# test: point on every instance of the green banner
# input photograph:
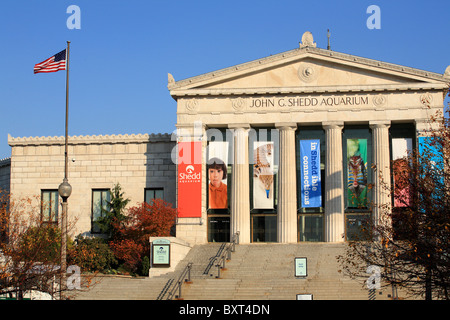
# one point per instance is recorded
(357, 173)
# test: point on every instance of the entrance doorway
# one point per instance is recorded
(264, 228)
(310, 227)
(218, 228)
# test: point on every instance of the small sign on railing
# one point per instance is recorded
(300, 267)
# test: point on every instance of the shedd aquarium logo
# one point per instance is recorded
(190, 175)
(161, 250)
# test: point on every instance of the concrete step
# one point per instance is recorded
(266, 271)
(255, 272)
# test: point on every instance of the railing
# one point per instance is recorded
(213, 259)
(185, 276)
(165, 289)
(226, 255)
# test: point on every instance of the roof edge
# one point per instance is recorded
(90, 139)
(305, 50)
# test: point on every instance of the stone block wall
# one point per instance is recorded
(136, 162)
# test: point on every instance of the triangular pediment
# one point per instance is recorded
(307, 69)
(307, 72)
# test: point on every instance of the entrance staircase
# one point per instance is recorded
(254, 272)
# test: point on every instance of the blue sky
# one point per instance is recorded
(121, 55)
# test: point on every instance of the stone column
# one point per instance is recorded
(334, 186)
(382, 174)
(287, 185)
(240, 197)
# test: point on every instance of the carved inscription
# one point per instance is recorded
(307, 101)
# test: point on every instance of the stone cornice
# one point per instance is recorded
(309, 90)
(5, 162)
(90, 139)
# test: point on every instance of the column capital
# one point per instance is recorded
(333, 124)
(190, 131)
(424, 126)
(286, 125)
(239, 126)
(379, 124)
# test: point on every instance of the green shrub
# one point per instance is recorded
(92, 254)
(41, 244)
(145, 266)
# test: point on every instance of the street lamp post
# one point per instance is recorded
(65, 189)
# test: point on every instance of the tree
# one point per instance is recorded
(114, 215)
(91, 255)
(30, 250)
(145, 220)
(411, 242)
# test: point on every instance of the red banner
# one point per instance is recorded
(190, 179)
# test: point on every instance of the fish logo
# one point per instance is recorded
(190, 169)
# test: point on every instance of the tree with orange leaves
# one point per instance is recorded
(411, 243)
(30, 251)
(155, 219)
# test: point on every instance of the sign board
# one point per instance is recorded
(161, 252)
(300, 267)
(304, 297)
(189, 179)
(311, 190)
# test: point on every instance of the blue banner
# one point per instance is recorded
(433, 159)
(430, 151)
(310, 184)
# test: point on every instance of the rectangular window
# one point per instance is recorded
(357, 226)
(310, 227)
(310, 153)
(264, 228)
(263, 151)
(218, 228)
(49, 206)
(402, 143)
(153, 193)
(100, 200)
(220, 145)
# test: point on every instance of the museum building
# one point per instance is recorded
(279, 149)
(294, 137)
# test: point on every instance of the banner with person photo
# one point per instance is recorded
(357, 173)
(217, 174)
(263, 175)
(401, 150)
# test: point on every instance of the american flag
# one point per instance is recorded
(52, 64)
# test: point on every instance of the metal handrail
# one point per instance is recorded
(164, 290)
(182, 278)
(231, 247)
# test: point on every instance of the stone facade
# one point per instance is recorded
(303, 88)
(136, 162)
(304, 92)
